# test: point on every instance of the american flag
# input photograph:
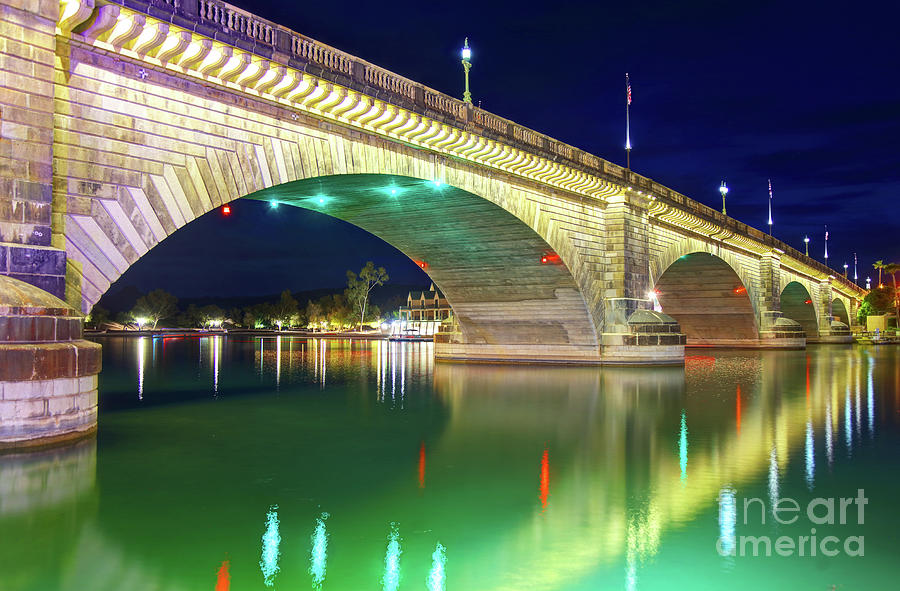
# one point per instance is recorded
(627, 89)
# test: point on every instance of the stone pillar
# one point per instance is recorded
(853, 311)
(632, 332)
(775, 331)
(27, 56)
(48, 374)
(830, 330)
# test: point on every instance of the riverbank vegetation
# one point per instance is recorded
(350, 308)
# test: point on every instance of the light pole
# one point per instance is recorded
(723, 189)
(845, 270)
(806, 243)
(466, 56)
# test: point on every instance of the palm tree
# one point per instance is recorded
(879, 265)
(892, 269)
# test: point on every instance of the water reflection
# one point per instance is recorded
(223, 579)
(271, 542)
(390, 581)
(628, 491)
(436, 580)
(48, 498)
(318, 557)
(683, 447)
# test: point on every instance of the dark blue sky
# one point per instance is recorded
(804, 93)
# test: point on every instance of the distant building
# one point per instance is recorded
(424, 313)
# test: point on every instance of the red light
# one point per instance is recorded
(226, 210)
(550, 258)
(422, 264)
(808, 302)
(740, 289)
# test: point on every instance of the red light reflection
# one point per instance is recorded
(223, 579)
(545, 480)
(422, 465)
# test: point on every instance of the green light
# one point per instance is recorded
(437, 184)
(393, 191)
(273, 204)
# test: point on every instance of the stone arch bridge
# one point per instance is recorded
(124, 120)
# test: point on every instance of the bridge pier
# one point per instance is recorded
(48, 374)
(831, 330)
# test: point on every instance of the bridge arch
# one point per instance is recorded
(507, 285)
(709, 300)
(839, 311)
(798, 305)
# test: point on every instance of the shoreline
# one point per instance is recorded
(190, 332)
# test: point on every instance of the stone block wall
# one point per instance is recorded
(27, 91)
(48, 373)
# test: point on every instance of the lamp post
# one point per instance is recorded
(723, 189)
(845, 270)
(806, 243)
(466, 56)
(868, 283)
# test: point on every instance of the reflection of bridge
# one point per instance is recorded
(620, 482)
(137, 120)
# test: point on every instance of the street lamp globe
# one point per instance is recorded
(466, 52)
(723, 189)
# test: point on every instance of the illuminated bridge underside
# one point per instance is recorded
(485, 260)
(709, 301)
(796, 304)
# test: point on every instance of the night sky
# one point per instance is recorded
(807, 94)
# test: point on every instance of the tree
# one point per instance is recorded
(314, 313)
(359, 287)
(879, 300)
(98, 317)
(879, 265)
(210, 314)
(258, 315)
(155, 306)
(892, 269)
(286, 310)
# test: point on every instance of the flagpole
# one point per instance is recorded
(627, 122)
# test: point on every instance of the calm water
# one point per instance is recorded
(244, 464)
